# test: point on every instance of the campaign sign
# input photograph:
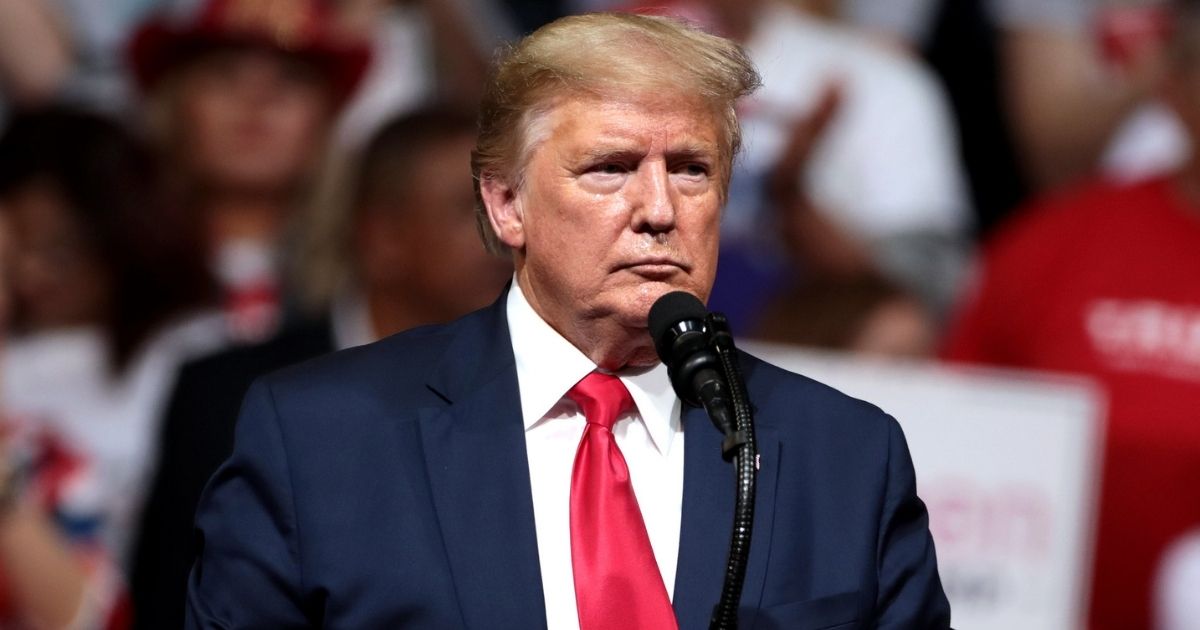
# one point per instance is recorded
(1007, 463)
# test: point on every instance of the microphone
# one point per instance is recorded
(677, 326)
(697, 348)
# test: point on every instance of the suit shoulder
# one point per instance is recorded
(349, 393)
(396, 365)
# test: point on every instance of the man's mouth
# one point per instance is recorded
(654, 268)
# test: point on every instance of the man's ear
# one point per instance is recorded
(504, 211)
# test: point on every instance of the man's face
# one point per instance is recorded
(620, 204)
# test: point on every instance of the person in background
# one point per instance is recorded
(366, 253)
(1079, 81)
(94, 239)
(106, 291)
(242, 98)
(110, 295)
(1100, 280)
(400, 251)
(51, 575)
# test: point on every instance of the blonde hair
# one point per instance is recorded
(600, 55)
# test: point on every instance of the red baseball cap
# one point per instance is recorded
(293, 27)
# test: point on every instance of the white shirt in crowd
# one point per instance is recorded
(62, 379)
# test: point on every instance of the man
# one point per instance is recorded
(1101, 280)
(432, 480)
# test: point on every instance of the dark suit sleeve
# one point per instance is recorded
(248, 573)
(910, 591)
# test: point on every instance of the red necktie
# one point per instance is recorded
(617, 583)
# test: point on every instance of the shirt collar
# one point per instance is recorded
(548, 366)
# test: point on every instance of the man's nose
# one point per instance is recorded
(654, 206)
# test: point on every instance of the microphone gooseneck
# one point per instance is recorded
(697, 348)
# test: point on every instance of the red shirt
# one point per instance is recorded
(1105, 281)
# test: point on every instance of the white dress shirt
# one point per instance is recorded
(650, 439)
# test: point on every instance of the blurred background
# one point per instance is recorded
(982, 215)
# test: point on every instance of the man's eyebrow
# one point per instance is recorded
(698, 150)
(601, 154)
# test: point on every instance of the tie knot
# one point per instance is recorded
(601, 397)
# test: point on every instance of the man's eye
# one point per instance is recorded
(695, 170)
(609, 168)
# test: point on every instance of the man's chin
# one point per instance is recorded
(645, 358)
(634, 314)
(648, 293)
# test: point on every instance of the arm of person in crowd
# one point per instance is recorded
(44, 579)
(904, 211)
(910, 590)
(1064, 103)
(35, 51)
(817, 243)
(55, 575)
(247, 573)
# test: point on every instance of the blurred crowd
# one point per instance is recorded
(196, 192)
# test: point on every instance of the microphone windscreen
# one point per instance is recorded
(671, 309)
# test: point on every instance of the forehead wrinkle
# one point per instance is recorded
(619, 138)
(694, 150)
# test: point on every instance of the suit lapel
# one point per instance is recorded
(706, 528)
(479, 477)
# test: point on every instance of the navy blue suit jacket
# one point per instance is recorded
(387, 486)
